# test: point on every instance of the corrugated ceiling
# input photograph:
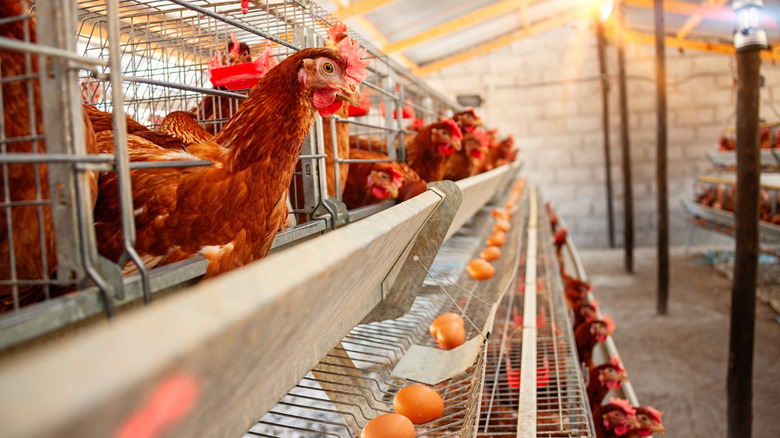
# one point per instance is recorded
(395, 21)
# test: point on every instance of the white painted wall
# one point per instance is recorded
(544, 91)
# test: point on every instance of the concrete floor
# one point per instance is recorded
(677, 363)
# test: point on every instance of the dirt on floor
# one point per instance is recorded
(677, 363)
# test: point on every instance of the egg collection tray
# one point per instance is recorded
(358, 379)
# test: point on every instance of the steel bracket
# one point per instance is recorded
(403, 291)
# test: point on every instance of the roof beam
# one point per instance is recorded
(718, 13)
(535, 29)
(696, 19)
(524, 16)
(381, 40)
(360, 8)
(480, 15)
(683, 8)
(374, 33)
(723, 48)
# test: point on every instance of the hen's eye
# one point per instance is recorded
(327, 67)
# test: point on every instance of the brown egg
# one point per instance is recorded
(490, 253)
(443, 319)
(501, 214)
(501, 225)
(418, 403)
(389, 426)
(498, 238)
(451, 335)
(479, 269)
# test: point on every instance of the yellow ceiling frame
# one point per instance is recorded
(470, 19)
(347, 11)
(374, 33)
(722, 48)
(696, 19)
(535, 29)
(683, 8)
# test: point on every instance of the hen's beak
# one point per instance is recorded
(658, 428)
(350, 92)
(456, 144)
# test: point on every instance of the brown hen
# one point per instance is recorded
(370, 183)
(428, 150)
(230, 212)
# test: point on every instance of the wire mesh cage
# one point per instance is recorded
(147, 60)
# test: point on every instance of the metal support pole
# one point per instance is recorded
(388, 83)
(660, 170)
(602, 42)
(743, 292)
(628, 198)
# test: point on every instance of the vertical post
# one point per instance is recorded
(749, 39)
(302, 37)
(388, 83)
(743, 292)
(65, 135)
(602, 41)
(660, 171)
(628, 197)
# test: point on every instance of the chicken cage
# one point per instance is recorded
(144, 60)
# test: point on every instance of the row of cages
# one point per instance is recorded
(721, 194)
(129, 64)
(361, 378)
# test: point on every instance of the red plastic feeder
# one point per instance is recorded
(236, 77)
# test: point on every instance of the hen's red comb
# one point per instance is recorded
(511, 141)
(266, 60)
(655, 413)
(215, 62)
(336, 30)
(624, 405)
(352, 54)
(234, 50)
(398, 177)
(609, 322)
(455, 129)
(594, 304)
(614, 360)
(482, 137)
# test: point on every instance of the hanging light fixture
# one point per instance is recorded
(605, 9)
(747, 20)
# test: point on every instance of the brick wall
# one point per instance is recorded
(544, 90)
